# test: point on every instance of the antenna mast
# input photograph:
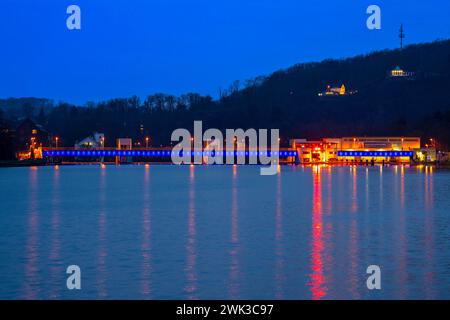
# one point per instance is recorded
(401, 35)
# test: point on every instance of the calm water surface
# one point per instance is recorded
(223, 232)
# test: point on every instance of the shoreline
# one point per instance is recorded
(43, 163)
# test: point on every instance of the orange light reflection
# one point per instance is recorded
(317, 278)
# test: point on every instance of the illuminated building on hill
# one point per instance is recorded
(399, 73)
(336, 91)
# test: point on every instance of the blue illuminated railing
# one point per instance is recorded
(375, 154)
(159, 153)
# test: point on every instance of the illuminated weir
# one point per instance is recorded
(347, 150)
(162, 155)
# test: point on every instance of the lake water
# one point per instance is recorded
(224, 232)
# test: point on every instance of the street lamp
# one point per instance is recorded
(146, 141)
(56, 142)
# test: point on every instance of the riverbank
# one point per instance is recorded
(43, 162)
(24, 163)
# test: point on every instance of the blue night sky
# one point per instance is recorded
(139, 47)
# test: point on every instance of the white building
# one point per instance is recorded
(399, 73)
(94, 141)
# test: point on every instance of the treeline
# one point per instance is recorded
(286, 99)
(7, 145)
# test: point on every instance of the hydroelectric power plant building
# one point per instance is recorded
(358, 149)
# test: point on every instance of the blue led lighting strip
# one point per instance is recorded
(391, 154)
(158, 153)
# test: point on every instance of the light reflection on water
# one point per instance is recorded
(32, 253)
(233, 287)
(318, 281)
(102, 272)
(146, 245)
(279, 251)
(191, 250)
(219, 232)
(56, 268)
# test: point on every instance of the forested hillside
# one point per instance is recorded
(287, 99)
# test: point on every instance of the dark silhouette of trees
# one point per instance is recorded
(286, 99)
(7, 148)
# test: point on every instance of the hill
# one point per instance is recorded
(287, 99)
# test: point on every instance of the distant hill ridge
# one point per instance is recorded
(287, 99)
(382, 105)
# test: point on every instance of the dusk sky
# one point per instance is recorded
(140, 47)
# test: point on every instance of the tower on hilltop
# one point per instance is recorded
(401, 35)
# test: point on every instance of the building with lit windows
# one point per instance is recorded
(336, 91)
(31, 137)
(94, 141)
(399, 73)
(357, 149)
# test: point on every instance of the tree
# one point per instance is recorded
(41, 118)
(28, 110)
